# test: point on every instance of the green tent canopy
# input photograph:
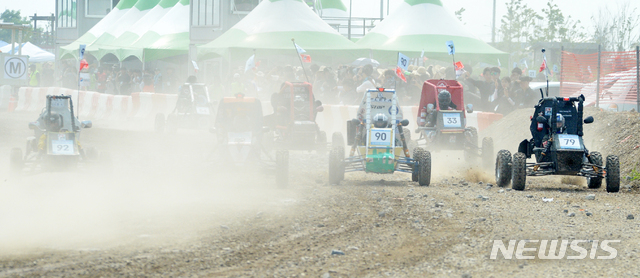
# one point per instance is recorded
(425, 25)
(269, 29)
(71, 50)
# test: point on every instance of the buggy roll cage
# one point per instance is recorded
(73, 118)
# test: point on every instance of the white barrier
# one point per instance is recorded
(144, 106)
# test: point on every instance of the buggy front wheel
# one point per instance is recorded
(424, 178)
(613, 174)
(503, 168)
(519, 171)
(417, 156)
(596, 159)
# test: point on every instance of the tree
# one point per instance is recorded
(617, 32)
(516, 26)
(554, 27)
(459, 13)
(11, 16)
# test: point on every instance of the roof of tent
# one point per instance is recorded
(35, 53)
(167, 22)
(270, 28)
(71, 50)
(333, 8)
(3, 43)
(418, 25)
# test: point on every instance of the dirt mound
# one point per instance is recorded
(611, 133)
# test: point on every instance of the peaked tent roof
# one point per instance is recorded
(71, 50)
(418, 25)
(126, 22)
(333, 8)
(35, 53)
(3, 43)
(169, 36)
(269, 28)
(121, 46)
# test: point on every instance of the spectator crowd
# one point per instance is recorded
(344, 84)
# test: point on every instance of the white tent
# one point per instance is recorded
(36, 54)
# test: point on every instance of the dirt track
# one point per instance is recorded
(167, 211)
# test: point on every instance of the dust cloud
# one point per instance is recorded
(162, 187)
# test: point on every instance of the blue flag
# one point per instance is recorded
(451, 48)
(403, 61)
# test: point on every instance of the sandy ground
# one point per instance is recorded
(169, 211)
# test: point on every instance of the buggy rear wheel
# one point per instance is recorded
(336, 165)
(282, 168)
(596, 159)
(487, 152)
(519, 171)
(337, 140)
(424, 178)
(613, 173)
(471, 145)
(15, 160)
(503, 168)
(159, 123)
(417, 156)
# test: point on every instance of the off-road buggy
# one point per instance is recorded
(443, 126)
(293, 124)
(239, 130)
(558, 148)
(194, 110)
(55, 144)
(380, 148)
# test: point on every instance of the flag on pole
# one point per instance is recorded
(400, 74)
(83, 64)
(422, 54)
(299, 49)
(544, 64)
(499, 64)
(82, 49)
(250, 64)
(195, 66)
(459, 65)
(403, 61)
(451, 48)
(305, 58)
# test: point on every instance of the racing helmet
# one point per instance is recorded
(380, 120)
(54, 122)
(560, 121)
(444, 99)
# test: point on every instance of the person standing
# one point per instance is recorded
(525, 96)
(34, 76)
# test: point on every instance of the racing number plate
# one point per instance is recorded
(380, 137)
(568, 141)
(202, 110)
(62, 147)
(451, 120)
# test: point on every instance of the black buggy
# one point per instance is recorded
(558, 147)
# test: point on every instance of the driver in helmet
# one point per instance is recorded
(444, 99)
(445, 103)
(53, 123)
(381, 120)
(560, 129)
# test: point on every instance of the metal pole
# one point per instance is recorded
(13, 41)
(381, 9)
(561, 64)
(19, 42)
(349, 31)
(493, 25)
(387, 7)
(598, 76)
(637, 78)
